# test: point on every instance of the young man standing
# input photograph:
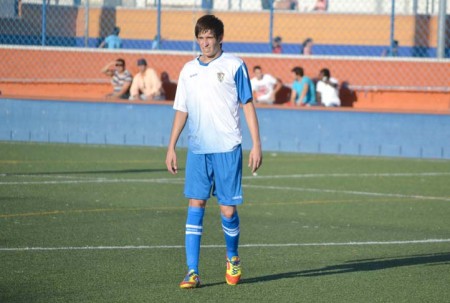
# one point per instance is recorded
(210, 90)
(113, 41)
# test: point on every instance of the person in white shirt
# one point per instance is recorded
(327, 89)
(264, 86)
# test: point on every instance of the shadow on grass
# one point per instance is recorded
(358, 266)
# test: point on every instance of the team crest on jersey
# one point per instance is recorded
(220, 76)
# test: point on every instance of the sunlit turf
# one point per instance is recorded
(106, 224)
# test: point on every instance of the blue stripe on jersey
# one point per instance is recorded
(244, 88)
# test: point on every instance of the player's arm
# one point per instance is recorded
(319, 97)
(134, 88)
(255, 157)
(278, 86)
(107, 69)
(125, 88)
(179, 121)
(319, 93)
(155, 83)
(303, 94)
(293, 96)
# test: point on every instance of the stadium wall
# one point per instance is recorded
(312, 130)
(371, 83)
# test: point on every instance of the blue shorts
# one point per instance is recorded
(220, 173)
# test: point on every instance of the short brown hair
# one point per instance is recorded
(209, 22)
(298, 71)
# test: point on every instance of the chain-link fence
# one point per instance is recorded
(389, 43)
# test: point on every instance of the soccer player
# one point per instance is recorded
(210, 90)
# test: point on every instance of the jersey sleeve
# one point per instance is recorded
(180, 95)
(243, 86)
(319, 87)
(272, 79)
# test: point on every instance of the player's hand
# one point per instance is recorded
(255, 159)
(171, 162)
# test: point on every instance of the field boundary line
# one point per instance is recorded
(86, 179)
(351, 192)
(345, 175)
(262, 245)
(180, 180)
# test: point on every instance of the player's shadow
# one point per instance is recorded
(358, 266)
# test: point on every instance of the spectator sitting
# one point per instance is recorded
(276, 45)
(168, 86)
(391, 51)
(327, 89)
(307, 47)
(146, 84)
(120, 79)
(264, 86)
(321, 5)
(112, 41)
(285, 4)
(266, 4)
(303, 89)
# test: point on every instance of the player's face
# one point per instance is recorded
(209, 44)
(258, 74)
(142, 68)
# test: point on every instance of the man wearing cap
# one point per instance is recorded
(146, 84)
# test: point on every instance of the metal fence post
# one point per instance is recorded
(157, 45)
(441, 29)
(271, 25)
(86, 23)
(391, 47)
(44, 22)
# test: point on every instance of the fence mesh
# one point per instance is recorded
(381, 43)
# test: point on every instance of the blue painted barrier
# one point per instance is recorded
(282, 130)
(229, 46)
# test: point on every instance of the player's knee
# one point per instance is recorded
(197, 203)
(228, 212)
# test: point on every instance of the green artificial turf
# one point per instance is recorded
(85, 223)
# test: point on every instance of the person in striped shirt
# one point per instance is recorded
(121, 79)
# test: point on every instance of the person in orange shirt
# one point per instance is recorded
(146, 84)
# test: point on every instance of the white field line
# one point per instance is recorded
(287, 188)
(83, 179)
(97, 180)
(149, 247)
(347, 175)
(349, 192)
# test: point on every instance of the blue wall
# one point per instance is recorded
(306, 131)
(234, 47)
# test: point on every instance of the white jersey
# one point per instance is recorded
(210, 93)
(264, 88)
(329, 94)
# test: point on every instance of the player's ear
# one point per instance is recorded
(220, 39)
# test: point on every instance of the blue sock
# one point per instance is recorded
(231, 231)
(194, 229)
